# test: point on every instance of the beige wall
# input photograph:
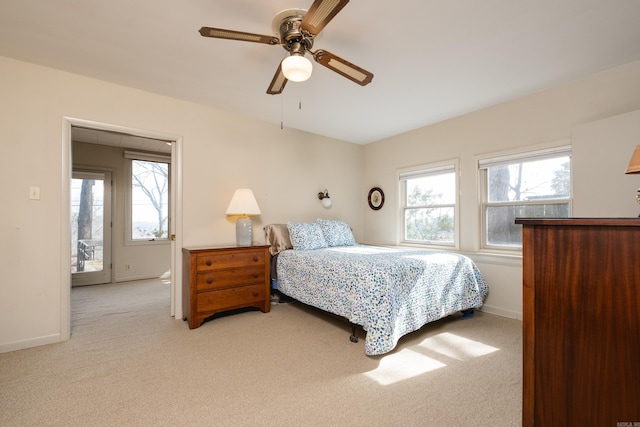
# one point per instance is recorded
(539, 120)
(601, 153)
(219, 152)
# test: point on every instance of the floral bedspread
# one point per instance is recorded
(389, 291)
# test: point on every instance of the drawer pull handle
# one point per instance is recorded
(255, 294)
(208, 262)
(255, 259)
(255, 275)
(209, 280)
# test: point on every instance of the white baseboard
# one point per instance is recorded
(31, 342)
(134, 278)
(501, 312)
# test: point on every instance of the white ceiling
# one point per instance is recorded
(432, 60)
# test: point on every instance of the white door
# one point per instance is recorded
(90, 228)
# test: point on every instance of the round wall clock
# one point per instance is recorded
(376, 198)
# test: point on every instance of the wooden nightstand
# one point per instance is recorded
(218, 279)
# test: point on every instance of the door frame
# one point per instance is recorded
(65, 227)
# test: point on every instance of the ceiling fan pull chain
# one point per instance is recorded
(281, 113)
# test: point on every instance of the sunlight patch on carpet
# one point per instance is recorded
(409, 363)
(403, 365)
(456, 347)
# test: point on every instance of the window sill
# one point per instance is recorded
(444, 247)
(512, 260)
(147, 242)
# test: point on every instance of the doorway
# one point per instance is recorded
(91, 228)
(175, 219)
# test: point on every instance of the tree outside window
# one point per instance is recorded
(149, 200)
(537, 185)
(429, 205)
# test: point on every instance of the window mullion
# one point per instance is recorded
(529, 202)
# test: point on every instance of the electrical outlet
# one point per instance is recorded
(128, 266)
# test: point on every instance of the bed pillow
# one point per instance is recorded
(305, 236)
(336, 233)
(277, 236)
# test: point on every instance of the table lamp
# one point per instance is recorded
(244, 204)
(634, 167)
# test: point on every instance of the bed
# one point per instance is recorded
(389, 291)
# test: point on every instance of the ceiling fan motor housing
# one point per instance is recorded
(292, 37)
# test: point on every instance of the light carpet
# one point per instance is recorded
(129, 363)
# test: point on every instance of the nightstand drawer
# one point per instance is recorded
(216, 279)
(224, 260)
(231, 298)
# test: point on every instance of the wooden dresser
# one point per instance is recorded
(217, 279)
(581, 322)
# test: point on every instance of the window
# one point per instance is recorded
(148, 198)
(536, 184)
(429, 205)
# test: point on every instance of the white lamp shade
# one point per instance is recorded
(243, 203)
(296, 68)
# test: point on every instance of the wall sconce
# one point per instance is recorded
(324, 197)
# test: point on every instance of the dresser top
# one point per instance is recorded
(617, 222)
(222, 247)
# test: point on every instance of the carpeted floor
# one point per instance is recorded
(129, 363)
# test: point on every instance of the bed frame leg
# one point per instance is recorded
(353, 337)
(468, 314)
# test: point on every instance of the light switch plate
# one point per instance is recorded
(34, 193)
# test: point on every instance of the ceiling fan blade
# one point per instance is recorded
(342, 67)
(220, 33)
(320, 14)
(278, 83)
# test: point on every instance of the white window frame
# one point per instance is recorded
(422, 171)
(149, 157)
(510, 158)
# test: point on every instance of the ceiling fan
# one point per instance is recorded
(297, 29)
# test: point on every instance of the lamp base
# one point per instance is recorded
(244, 231)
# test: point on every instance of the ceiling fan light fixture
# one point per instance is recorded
(296, 68)
(296, 30)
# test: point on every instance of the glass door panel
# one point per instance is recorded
(90, 228)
